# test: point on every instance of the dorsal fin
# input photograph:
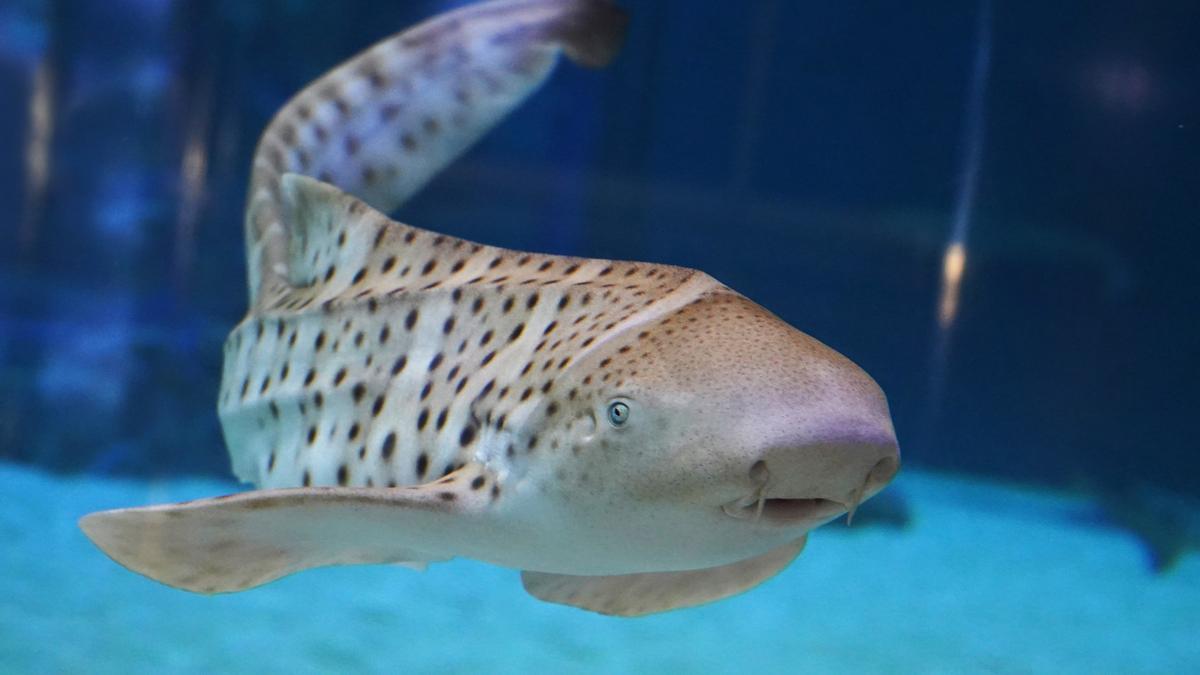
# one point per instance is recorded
(330, 230)
(382, 124)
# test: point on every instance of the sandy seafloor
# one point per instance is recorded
(987, 578)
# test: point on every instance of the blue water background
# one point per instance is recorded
(807, 154)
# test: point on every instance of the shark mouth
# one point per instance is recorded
(784, 511)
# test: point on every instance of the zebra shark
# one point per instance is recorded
(634, 437)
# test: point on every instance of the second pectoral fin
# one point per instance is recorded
(650, 592)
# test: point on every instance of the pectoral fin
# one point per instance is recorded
(647, 593)
(244, 540)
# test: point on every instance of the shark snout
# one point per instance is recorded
(846, 464)
(818, 478)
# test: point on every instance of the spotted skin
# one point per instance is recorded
(634, 437)
(417, 351)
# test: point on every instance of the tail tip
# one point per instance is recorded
(592, 33)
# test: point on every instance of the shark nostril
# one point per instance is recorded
(759, 473)
(881, 474)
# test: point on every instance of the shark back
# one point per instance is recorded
(411, 353)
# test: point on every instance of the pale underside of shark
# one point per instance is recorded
(635, 437)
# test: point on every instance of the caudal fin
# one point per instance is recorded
(382, 124)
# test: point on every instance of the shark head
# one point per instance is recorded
(722, 427)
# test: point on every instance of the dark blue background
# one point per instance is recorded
(806, 153)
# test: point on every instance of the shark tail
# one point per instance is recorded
(385, 122)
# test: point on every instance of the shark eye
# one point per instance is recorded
(618, 413)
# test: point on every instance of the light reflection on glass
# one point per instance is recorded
(953, 263)
(38, 140)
